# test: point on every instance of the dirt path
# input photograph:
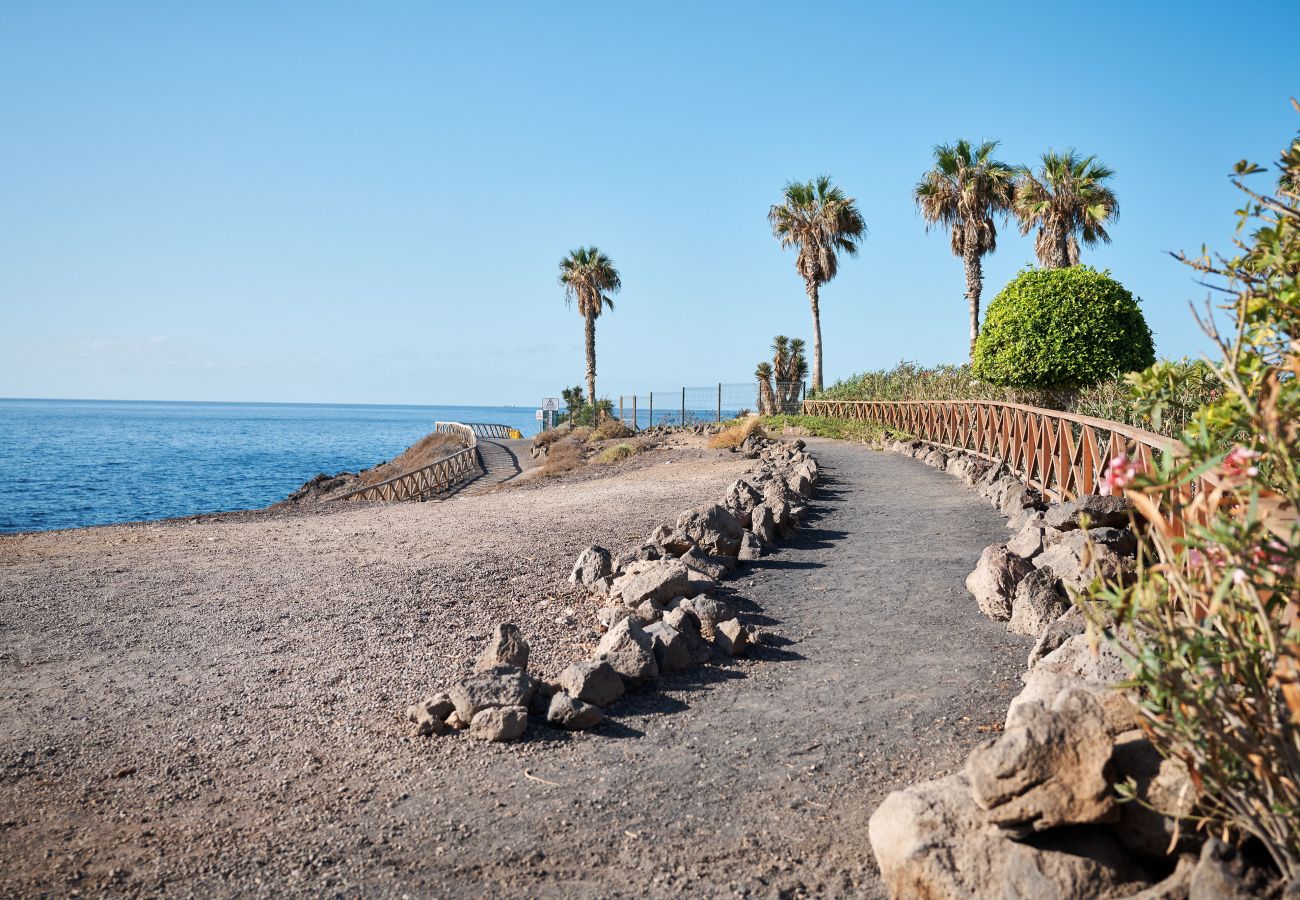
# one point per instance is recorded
(757, 777)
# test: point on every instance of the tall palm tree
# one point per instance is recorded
(1067, 199)
(589, 277)
(817, 218)
(963, 192)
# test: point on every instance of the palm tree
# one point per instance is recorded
(817, 218)
(589, 277)
(963, 192)
(1066, 199)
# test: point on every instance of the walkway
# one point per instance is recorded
(758, 776)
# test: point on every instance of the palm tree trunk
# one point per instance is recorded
(591, 360)
(974, 286)
(817, 336)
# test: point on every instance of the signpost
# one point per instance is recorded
(548, 412)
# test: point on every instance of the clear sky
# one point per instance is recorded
(367, 202)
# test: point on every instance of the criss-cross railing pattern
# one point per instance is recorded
(1061, 454)
(428, 481)
(489, 430)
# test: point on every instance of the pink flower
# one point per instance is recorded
(1238, 576)
(1239, 460)
(1195, 557)
(1119, 475)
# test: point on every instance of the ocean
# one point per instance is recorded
(66, 463)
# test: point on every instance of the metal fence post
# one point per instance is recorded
(683, 407)
(622, 418)
(652, 409)
(719, 401)
(634, 425)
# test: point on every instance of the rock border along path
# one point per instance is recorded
(760, 775)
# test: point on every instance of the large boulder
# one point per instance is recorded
(932, 840)
(1016, 498)
(1050, 767)
(506, 647)
(715, 567)
(1029, 539)
(1079, 664)
(1068, 624)
(740, 500)
(713, 528)
(592, 681)
(750, 548)
(658, 580)
(594, 565)
(1037, 603)
(763, 524)
(499, 723)
(1100, 512)
(995, 579)
(498, 686)
(574, 715)
(1078, 557)
(1164, 795)
(709, 612)
(627, 649)
(670, 647)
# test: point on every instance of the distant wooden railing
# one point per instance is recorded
(428, 481)
(488, 430)
(1061, 454)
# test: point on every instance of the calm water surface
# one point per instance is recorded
(65, 463)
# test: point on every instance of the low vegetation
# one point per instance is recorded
(734, 435)
(563, 456)
(615, 453)
(824, 426)
(1163, 398)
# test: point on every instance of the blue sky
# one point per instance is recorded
(367, 202)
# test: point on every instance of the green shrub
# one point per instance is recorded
(615, 453)
(611, 429)
(1062, 328)
(824, 426)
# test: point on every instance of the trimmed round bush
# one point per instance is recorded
(1062, 328)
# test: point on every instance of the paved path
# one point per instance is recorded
(758, 776)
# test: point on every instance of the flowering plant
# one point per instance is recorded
(1214, 613)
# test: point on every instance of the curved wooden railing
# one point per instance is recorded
(1061, 454)
(490, 430)
(427, 481)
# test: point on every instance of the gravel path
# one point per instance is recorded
(210, 708)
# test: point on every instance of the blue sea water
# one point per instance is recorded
(65, 463)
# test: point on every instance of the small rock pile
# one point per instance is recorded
(1035, 807)
(657, 609)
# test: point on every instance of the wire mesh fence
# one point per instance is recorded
(714, 403)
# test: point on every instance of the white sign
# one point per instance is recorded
(539, 415)
(551, 404)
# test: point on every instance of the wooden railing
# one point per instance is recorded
(428, 481)
(489, 430)
(1061, 454)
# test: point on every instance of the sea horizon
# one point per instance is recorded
(82, 462)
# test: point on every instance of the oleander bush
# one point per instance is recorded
(1062, 328)
(1214, 614)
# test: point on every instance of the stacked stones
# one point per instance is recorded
(658, 610)
(1036, 806)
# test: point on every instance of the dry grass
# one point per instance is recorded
(615, 453)
(610, 430)
(734, 436)
(428, 449)
(564, 456)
